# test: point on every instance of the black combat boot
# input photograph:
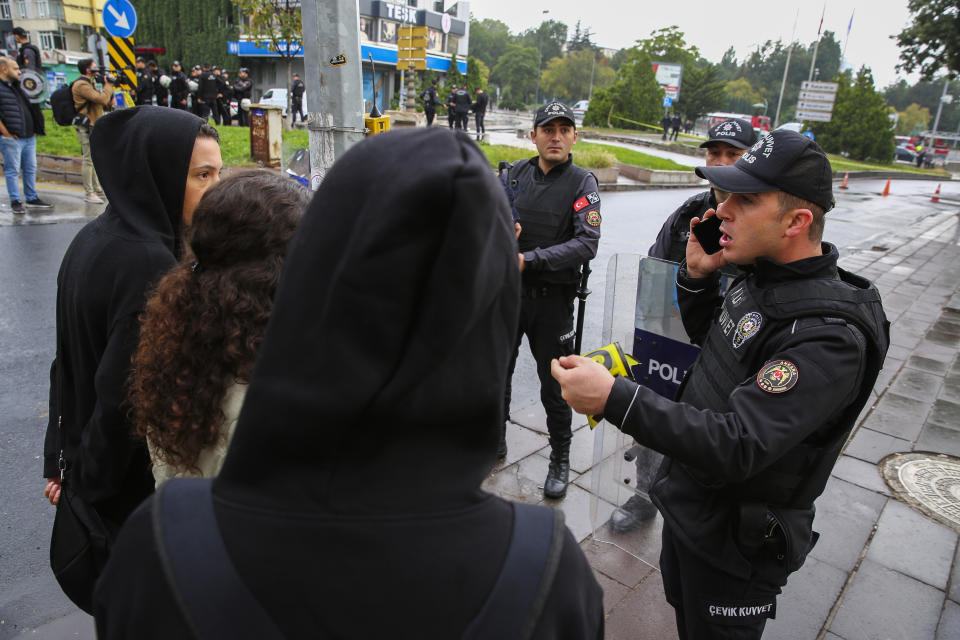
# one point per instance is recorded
(502, 446)
(558, 475)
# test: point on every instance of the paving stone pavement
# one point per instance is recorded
(880, 569)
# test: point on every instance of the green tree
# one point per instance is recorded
(931, 43)
(478, 74)
(701, 91)
(860, 125)
(548, 39)
(913, 120)
(277, 23)
(568, 78)
(580, 39)
(927, 94)
(740, 95)
(729, 68)
(488, 40)
(454, 77)
(516, 74)
(190, 31)
(634, 95)
(668, 45)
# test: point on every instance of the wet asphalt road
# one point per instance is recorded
(30, 252)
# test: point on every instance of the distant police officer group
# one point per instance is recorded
(207, 92)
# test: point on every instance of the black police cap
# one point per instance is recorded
(782, 160)
(735, 131)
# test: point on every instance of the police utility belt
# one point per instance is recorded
(548, 290)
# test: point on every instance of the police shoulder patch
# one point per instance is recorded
(593, 218)
(778, 376)
(593, 197)
(580, 204)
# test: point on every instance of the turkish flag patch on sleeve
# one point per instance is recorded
(581, 203)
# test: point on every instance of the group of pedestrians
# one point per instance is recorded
(291, 378)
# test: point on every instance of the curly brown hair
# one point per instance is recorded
(203, 323)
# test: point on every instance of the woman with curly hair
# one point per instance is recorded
(204, 322)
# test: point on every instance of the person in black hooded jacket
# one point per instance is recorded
(350, 500)
(155, 164)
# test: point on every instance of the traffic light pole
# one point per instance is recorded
(334, 81)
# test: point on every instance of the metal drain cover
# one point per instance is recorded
(928, 482)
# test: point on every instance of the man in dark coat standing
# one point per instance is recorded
(207, 94)
(19, 142)
(480, 112)
(90, 453)
(431, 99)
(462, 102)
(242, 90)
(296, 98)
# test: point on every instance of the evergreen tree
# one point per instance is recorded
(635, 95)
(516, 74)
(580, 40)
(860, 124)
(489, 40)
(701, 91)
(478, 74)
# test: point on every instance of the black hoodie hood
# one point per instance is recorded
(379, 385)
(142, 156)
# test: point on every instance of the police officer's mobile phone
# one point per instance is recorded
(709, 234)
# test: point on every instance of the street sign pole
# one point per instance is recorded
(334, 77)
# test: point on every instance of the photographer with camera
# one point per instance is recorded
(90, 104)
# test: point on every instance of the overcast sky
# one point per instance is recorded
(713, 26)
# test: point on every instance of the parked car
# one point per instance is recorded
(902, 154)
(580, 108)
(796, 127)
(278, 97)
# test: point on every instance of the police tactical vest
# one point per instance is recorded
(734, 351)
(546, 214)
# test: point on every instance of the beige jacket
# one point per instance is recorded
(211, 458)
(90, 102)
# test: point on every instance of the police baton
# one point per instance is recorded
(582, 293)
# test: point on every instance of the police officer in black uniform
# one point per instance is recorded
(179, 91)
(226, 95)
(461, 105)
(144, 91)
(296, 98)
(159, 90)
(207, 92)
(431, 99)
(727, 141)
(558, 208)
(789, 357)
(242, 90)
(452, 107)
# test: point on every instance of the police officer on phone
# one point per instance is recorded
(726, 142)
(788, 359)
(558, 208)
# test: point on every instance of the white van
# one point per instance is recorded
(278, 97)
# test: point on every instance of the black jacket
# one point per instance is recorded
(15, 111)
(178, 85)
(101, 289)
(209, 87)
(297, 89)
(671, 242)
(346, 388)
(480, 106)
(722, 459)
(242, 88)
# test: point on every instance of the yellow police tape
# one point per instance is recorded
(617, 363)
(654, 127)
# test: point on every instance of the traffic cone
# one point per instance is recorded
(886, 189)
(936, 195)
(846, 177)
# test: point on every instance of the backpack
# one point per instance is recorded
(61, 101)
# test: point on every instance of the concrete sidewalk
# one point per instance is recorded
(881, 569)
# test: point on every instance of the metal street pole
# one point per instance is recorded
(786, 69)
(334, 78)
(936, 121)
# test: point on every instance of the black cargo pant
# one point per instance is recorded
(546, 317)
(714, 605)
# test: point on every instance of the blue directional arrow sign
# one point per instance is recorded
(119, 18)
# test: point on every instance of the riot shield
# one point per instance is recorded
(642, 316)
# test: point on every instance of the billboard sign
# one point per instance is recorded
(668, 75)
